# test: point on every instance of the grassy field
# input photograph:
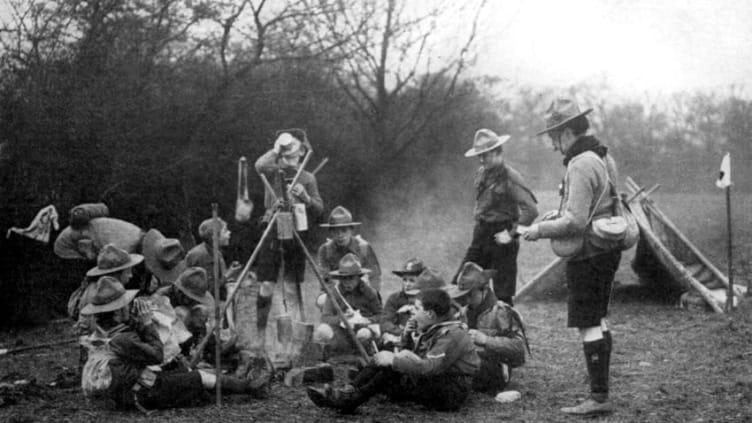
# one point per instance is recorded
(669, 364)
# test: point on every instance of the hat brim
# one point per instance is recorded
(148, 248)
(565, 121)
(339, 225)
(454, 291)
(337, 275)
(477, 152)
(205, 299)
(402, 273)
(135, 259)
(121, 302)
(167, 276)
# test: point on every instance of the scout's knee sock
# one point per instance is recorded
(596, 358)
(609, 348)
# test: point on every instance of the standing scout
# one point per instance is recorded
(590, 272)
(342, 241)
(502, 200)
(279, 166)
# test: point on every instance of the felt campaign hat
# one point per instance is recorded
(109, 295)
(113, 259)
(412, 267)
(340, 217)
(561, 111)
(194, 283)
(428, 279)
(163, 256)
(349, 265)
(486, 140)
(471, 276)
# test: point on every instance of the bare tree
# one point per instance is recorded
(396, 48)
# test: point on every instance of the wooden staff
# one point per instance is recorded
(332, 297)
(217, 327)
(200, 348)
(730, 295)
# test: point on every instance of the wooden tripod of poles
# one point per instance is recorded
(244, 273)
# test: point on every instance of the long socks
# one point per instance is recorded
(597, 358)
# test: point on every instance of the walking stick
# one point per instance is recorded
(217, 326)
(200, 348)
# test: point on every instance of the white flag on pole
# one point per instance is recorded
(724, 177)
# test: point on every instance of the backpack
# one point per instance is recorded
(96, 376)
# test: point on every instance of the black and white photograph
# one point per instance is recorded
(375, 211)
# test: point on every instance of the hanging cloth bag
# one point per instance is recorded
(243, 205)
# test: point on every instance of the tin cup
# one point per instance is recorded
(284, 225)
(301, 219)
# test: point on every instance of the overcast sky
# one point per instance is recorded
(636, 46)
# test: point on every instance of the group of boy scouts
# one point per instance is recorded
(430, 342)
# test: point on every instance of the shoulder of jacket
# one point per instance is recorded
(361, 241)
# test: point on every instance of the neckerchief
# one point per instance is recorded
(583, 144)
(489, 176)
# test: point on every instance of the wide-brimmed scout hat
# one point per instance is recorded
(163, 256)
(349, 265)
(561, 111)
(109, 295)
(340, 217)
(471, 276)
(194, 284)
(485, 140)
(412, 267)
(291, 146)
(113, 259)
(428, 279)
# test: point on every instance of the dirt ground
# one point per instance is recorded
(669, 364)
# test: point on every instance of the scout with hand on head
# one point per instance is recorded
(495, 328)
(279, 166)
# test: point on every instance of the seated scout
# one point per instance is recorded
(495, 328)
(436, 370)
(125, 352)
(358, 300)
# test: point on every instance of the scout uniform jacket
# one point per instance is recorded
(501, 196)
(330, 254)
(135, 347)
(363, 298)
(267, 164)
(584, 185)
(503, 326)
(392, 321)
(444, 348)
